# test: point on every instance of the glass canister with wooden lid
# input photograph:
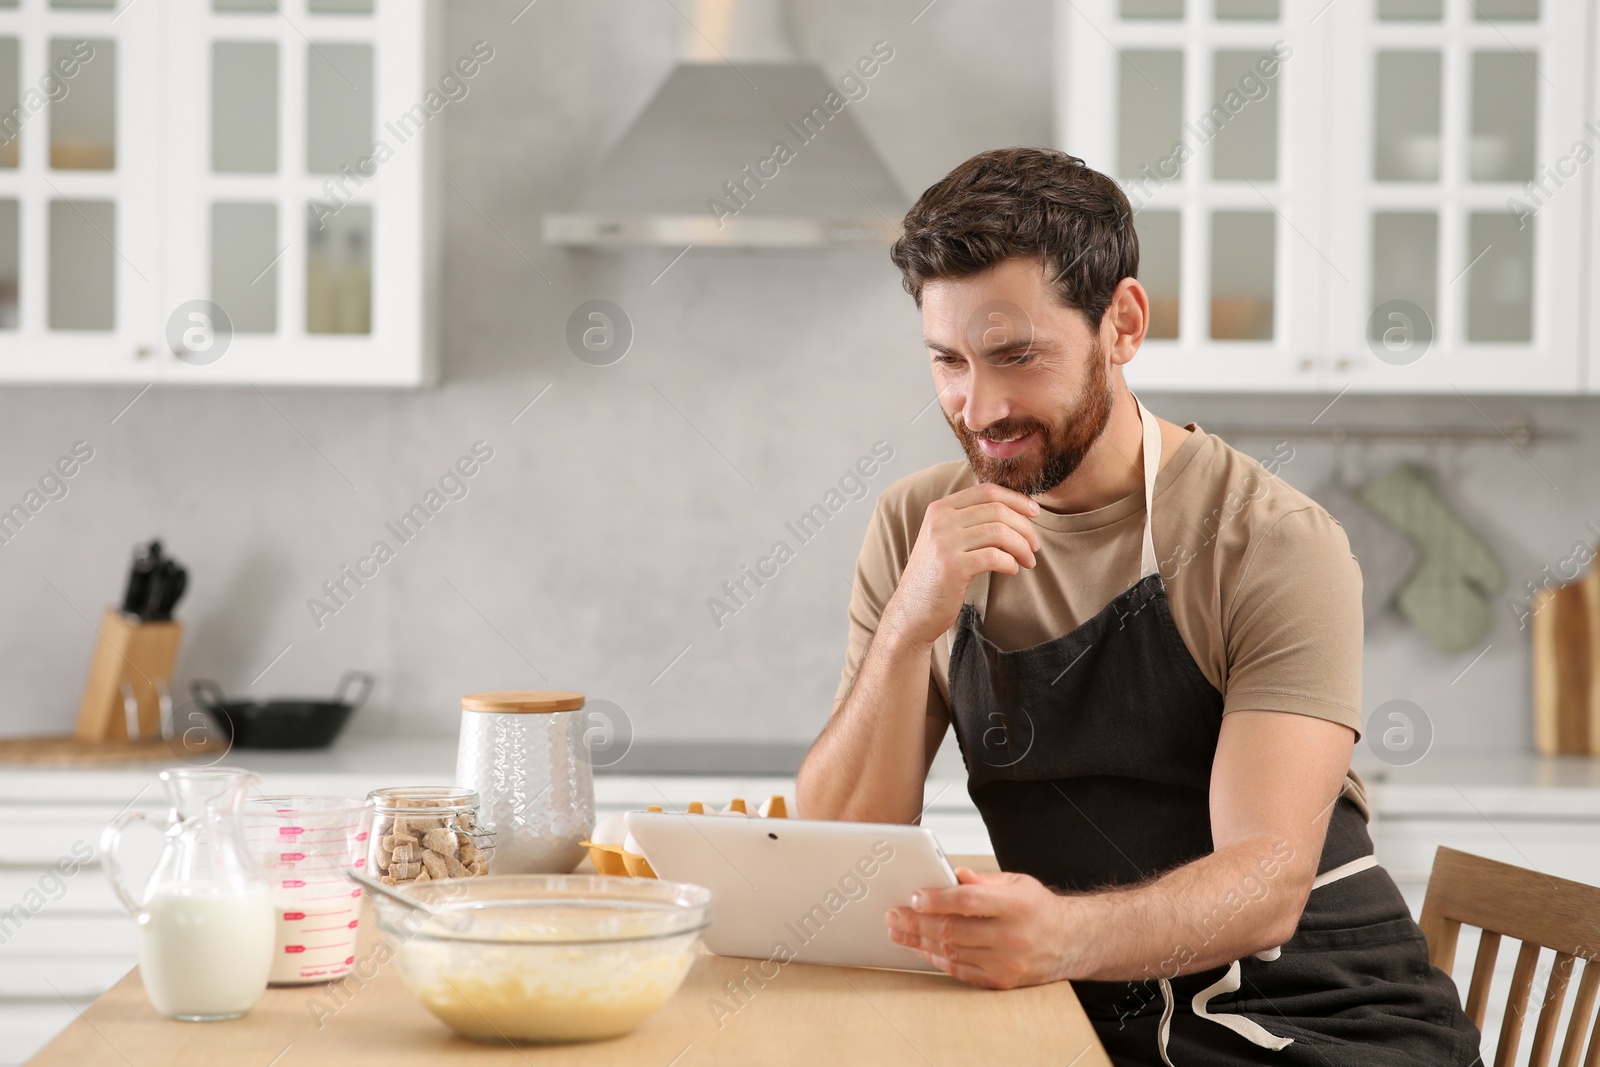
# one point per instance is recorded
(523, 752)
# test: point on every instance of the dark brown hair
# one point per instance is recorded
(1023, 202)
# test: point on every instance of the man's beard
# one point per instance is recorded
(1060, 449)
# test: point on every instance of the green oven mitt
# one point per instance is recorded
(1447, 596)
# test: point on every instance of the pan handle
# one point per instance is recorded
(207, 694)
(358, 680)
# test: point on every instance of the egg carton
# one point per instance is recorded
(615, 858)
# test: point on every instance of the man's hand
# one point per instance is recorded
(981, 528)
(996, 930)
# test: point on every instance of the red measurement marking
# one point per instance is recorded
(290, 831)
(348, 960)
(320, 929)
(355, 892)
(291, 857)
(362, 862)
(293, 916)
(362, 836)
(294, 948)
(293, 883)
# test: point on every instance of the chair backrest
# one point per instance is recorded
(1541, 911)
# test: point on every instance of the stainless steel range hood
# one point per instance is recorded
(739, 148)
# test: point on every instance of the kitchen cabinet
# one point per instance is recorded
(220, 192)
(1379, 196)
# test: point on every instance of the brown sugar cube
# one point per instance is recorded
(477, 868)
(421, 877)
(435, 865)
(404, 872)
(441, 841)
(454, 867)
(404, 854)
(416, 825)
(470, 853)
(388, 841)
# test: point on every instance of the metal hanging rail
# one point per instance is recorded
(1517, 434)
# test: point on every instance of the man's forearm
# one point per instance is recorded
(869, 763)
(1245, 897)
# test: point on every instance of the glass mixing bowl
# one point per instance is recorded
(545, 957)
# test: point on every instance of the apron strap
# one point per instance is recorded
(1151, 461)
(1248, 1029)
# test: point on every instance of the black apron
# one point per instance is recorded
(1089, 757)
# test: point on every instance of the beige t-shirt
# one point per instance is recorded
(1262, 584)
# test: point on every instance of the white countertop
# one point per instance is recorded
(1441, 784)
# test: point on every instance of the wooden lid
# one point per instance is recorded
(513, 701)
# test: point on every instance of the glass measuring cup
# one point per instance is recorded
(305, 844)
(204, 916)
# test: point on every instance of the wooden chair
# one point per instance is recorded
(1539, 910)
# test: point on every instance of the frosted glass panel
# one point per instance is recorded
(338, 105)
(245, 5)
(244, 265)
(1152, 9)
(1422, 10)
(1500, 285)
(1159, 268)
(1405, 263)
(82, 265)
(244, 107)
(339, 270)
(1243, 275)
(1405, 117)
(1505, 10)
(1503, 117)
(1247, 9)
(103, 5)
(9, 234)
(1243, 120)
(11, 119)
(341, 7)
(83, 123)
(1150, 113)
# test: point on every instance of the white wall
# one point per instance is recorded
(586, 549)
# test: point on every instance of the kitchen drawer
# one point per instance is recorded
(27, 1028)
(39, 836)
(85, 892)
(47, 979)
(48, 935)
(1568, 848)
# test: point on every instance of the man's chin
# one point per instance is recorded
(1024, 480)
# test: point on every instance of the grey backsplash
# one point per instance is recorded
(585, 551)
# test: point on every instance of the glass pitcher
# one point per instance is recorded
(206, 924)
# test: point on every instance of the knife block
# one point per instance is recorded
(140, 654)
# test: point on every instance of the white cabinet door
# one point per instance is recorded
(1457, 236)
(1206, 115)
(301, 139)
(80, 181)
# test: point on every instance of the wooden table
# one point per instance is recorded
(831, 1016)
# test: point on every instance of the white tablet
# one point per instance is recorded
(797, 889)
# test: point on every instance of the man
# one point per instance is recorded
(1149, 648)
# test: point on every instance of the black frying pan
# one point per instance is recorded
(288, 723)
